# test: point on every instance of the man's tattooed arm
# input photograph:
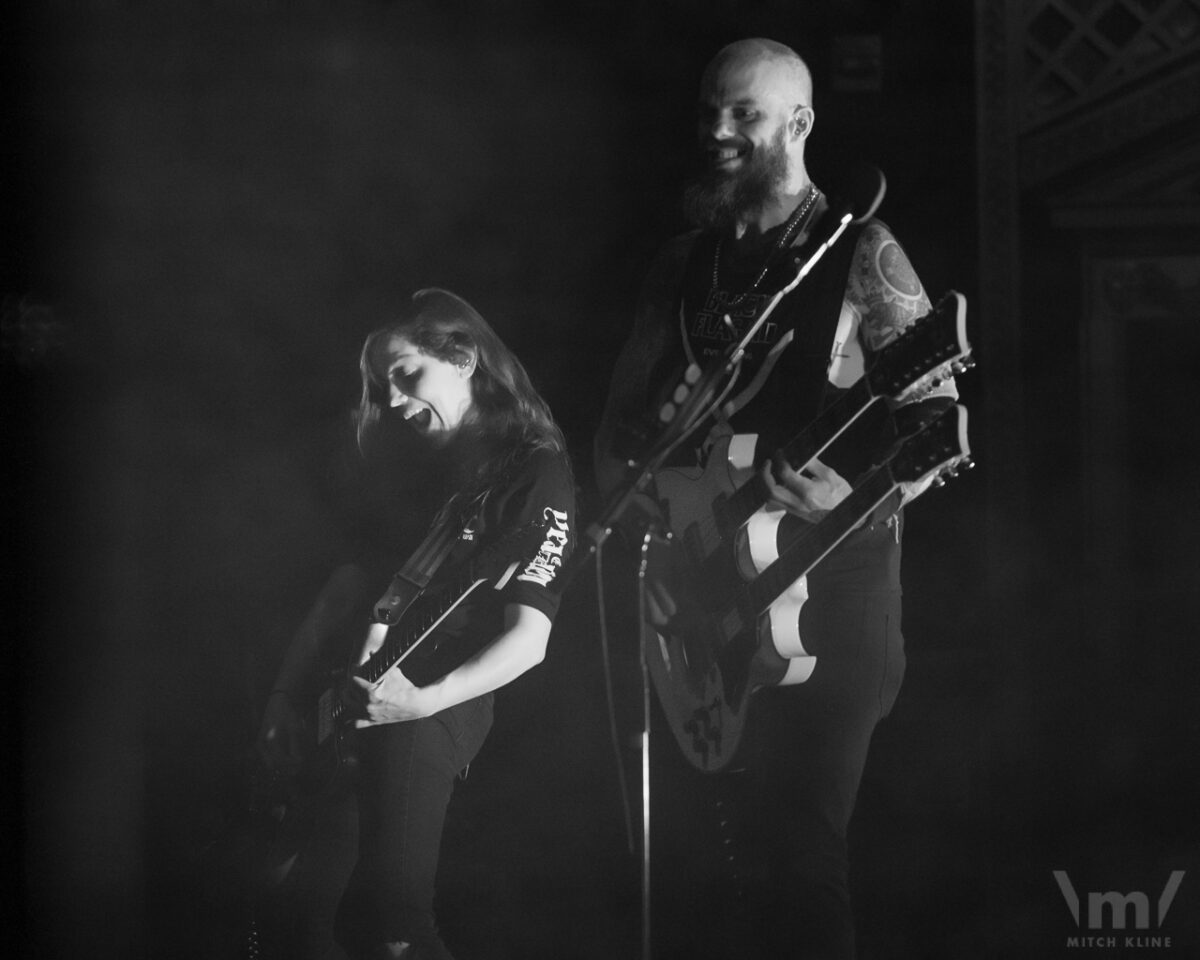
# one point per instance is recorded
(883, 288)
(885, 292)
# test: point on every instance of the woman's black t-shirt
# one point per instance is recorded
(511, 551)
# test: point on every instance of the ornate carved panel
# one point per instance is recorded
(1098, 75)
(1077, 52)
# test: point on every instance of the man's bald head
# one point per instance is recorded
(754, 115)
(778, 64)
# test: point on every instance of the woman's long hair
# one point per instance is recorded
(508, 419)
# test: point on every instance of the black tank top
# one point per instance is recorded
(783, 382)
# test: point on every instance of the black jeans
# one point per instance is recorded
(752, 862)
(366, 875)
(405, 781)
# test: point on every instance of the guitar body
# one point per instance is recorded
(706, 656)
(331, 759)
(721, 603)
(692, 496)
(695, 501)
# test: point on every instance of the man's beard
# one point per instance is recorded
(715, 201)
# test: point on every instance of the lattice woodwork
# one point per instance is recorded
(1077, 51)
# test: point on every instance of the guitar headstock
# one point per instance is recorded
(938, 340)
(939, 449)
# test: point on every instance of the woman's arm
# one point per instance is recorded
(520, 646)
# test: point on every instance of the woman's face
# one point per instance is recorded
(432, 395)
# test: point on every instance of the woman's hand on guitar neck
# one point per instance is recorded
(808, 494)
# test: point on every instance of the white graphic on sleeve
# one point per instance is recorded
(847, 363)
(545, 565)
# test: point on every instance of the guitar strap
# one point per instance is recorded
(418, 570)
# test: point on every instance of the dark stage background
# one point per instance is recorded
(209, 204)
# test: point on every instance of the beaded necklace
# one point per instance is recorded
(799, 216)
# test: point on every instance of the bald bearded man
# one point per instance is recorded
(752, 860)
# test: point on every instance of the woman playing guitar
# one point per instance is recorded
(490, 452)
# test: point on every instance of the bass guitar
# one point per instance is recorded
(716, 638)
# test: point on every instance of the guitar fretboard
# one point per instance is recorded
(818, 539)
(418, 622)
(937, 339)
(937, 447)
(809, 443)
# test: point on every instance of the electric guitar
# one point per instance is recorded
(707, 507)
(715, 638)
(285, 808)
(416, 644)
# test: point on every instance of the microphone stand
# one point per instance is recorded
(695, 402)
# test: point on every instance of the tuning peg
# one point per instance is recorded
(680, 394)
(938, 481)
(968, 464)
(666, 412)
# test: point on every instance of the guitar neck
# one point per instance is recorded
(799, 557)
(420, 621)
(809, 443)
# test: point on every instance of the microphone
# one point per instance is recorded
(861, 196)
(862, 193)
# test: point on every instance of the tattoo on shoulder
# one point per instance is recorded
(896, 271)
(883, 287)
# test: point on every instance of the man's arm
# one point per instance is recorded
(883, 288)
(886, 294)
(883, 297)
